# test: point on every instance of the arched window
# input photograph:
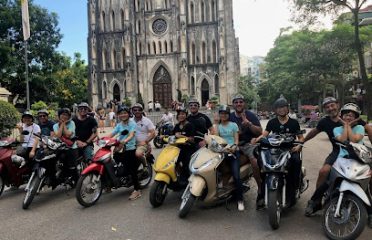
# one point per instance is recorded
(193, 56)
(192, 86)
(204, 53)
(213, 10)
(202, 13)
(216, 84)
(214, 52)
(147, 6)
(165, 47)
(171, 46)
(113, 20)
(123, 57)
(160, 50)
(139, 52)
(148, 49)
(138, 30)
(122, 18)
(165, 4)
(103, 60)
(192, 16)
(104, 90)
(113, 60)
(103, 21)
(137, 5)
(107, 58)
(154, 47)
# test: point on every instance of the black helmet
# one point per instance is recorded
(64, 110)
(224, 109)
(329, 100)
(182, 109)
(27, 114)
(123, 109)
(280, 102)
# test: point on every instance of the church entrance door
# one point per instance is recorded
(162, 85)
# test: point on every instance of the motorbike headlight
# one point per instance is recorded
(208, 163)
(101, 143)
(215, 147)
(172, 139)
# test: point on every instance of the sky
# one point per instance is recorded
(257, 24)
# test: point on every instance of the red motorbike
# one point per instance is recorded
(10, 173)
(103, 172)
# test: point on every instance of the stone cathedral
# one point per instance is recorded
(160, 47)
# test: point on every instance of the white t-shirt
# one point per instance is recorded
(29, 139)
(142, 129)
(157, 105)
(111, 115)
(167, 118)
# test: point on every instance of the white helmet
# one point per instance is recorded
(351, 107)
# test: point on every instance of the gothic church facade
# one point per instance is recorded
(160, 49)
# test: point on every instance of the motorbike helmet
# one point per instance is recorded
(64, 110)
(27, 114)
(280, 102)
(182, 109)
(123, 109)
(84, 104)
(224, 109)
(43, 111)
(328, 100)
(237, 97)
(193, 100)
(137, 105)
(351, 107)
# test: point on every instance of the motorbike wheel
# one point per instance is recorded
(352, 220)
(31, 192)
(157, 193)
(187, 202)
(274, 208)
(158, 143)
(88, 189)
(144, 182)
(2, 184)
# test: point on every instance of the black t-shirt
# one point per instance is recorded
(188, 131)
(327, 125)
(46, 128)
(201, 123)
(84, 129)
(245, 133)
(291, 126)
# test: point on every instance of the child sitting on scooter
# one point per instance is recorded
(230, 132)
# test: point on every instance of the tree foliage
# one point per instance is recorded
(248, 90)
(9, 117)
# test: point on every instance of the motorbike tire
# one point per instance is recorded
(329, 219)
(157, 193)
(186, 204)
(145, 182)
(274, 208)
(31, 192)
(82, 185)
(158, 143)
(2, 184)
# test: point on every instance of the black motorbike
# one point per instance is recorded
(49, 169)
(274, 155)
(162, 129)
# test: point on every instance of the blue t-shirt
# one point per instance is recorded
(337, 131)
(131, 127)
(71, 127)
(228, 131)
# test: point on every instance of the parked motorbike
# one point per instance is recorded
(104, 172)
(11, 173)
(166, 169)
(206, 175)
(161, 129)
(348, 197)
(274, 154)
(48, 168)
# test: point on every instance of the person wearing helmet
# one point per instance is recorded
(184, 129)
(229, 131)
(86, 131)
(65, 130)
(284, 124)
(201, 122)
(29, 141)
(145, 132)
(249, 127)
(45, 124)
(128, 144)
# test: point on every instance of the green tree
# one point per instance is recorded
(248, 90)
(9, 117)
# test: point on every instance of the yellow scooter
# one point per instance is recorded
(166, 170)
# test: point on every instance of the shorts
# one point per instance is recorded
(248, 150)
(331, 158)
(142, 150)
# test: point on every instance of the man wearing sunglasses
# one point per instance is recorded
(249, 128)
(201, 122)
(86, 131)
(45, 124)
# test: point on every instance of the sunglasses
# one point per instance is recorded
(42, 116)
(194, 105)
(239, 102)
(136, 110)
(83, 109)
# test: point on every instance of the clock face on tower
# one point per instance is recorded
(159, 26)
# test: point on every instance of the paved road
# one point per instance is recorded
(57, 215)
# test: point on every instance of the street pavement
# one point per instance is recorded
(57, 215)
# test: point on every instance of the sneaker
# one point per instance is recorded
(370, 220)
(135, 194)
(260, 202)
(241, 205)
(312, 207)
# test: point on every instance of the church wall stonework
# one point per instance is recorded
(157, 47)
